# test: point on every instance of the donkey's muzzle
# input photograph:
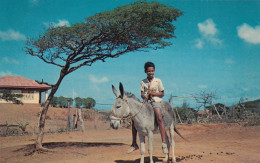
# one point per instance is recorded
(115, 124)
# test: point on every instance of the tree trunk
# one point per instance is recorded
(43, 113)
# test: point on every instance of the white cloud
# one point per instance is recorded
(208, 33)
(5, 73)
(58, 24)
(229, 61)
(202, 86)
(12, 35)
(208, 28)
(98, 80)
(249, 34)
(10, 61)
(215, 41)
(199, 43)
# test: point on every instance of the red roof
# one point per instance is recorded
(20, 82)
(203, 112)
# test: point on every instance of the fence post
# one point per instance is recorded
(216, 109)
(81, 119)
(69, 125)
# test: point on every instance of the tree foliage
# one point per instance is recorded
(89, 102)
(108, 34)
(186, 113)
(78, 102)
(7, 95)
(61, 102)
(85, 102)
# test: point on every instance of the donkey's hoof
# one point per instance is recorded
(164, 148)
(165, 160)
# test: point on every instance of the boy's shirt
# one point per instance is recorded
(155, 85)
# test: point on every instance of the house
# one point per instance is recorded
(32, 91)
(203, 112)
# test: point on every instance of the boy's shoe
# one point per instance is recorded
(164, 148)
(132, 148)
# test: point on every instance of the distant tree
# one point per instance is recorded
(54, 102)
(186, 113)
(139, 26)
(204, 99)
(78, 102)
(62, 102)
(7, 95)
(89, 102)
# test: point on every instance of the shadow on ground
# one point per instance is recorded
(160, 159)
(53, 145)
(146, 160)
(29, 149)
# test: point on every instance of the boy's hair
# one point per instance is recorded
(148, 64)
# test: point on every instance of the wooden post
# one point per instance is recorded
(75, 122)
(171, 101)
(81, 119)
(68, 117)
(95, 118)
(178, 115)
(233, 112)
(225, 110)
(216, 110)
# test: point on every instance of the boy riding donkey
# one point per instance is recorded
(152, 91)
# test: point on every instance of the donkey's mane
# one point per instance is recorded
(131, 95)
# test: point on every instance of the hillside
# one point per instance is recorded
(254, 106)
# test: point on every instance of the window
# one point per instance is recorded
(28, 95)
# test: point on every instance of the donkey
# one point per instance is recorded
(127, 106)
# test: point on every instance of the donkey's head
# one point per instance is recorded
(120, 109)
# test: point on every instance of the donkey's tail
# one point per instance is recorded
(177, 131)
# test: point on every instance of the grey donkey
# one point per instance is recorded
(127, 106)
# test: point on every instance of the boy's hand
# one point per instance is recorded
(150, 92)
(144, 97)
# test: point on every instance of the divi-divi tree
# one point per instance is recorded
(135, 27)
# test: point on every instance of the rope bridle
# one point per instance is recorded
(121, 117)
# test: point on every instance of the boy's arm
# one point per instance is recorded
(158, 94)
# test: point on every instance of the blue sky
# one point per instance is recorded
(217, 49)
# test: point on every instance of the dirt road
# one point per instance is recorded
(207, 143)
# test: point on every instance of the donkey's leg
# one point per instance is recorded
(150, 145)
(172, 142)
(168, 146)
(142, 145)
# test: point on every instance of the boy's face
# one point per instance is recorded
(150, 72)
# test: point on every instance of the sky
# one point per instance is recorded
(216, 49)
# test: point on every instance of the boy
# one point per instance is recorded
(152, 90)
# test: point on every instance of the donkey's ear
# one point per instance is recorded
(121, 88)
(115, 91)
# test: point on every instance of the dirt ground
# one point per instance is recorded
(207, 142)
